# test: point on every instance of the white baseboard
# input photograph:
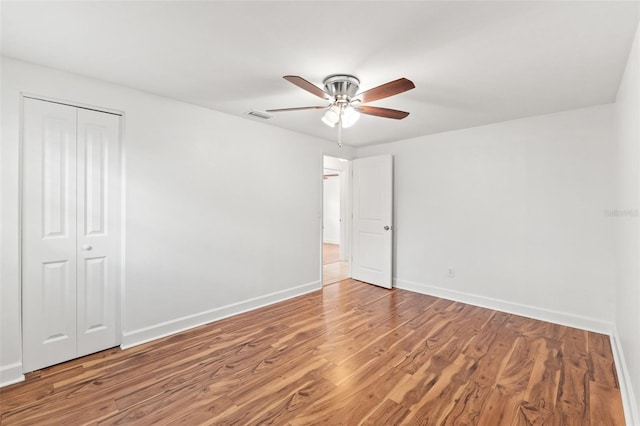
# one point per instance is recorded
(631, 414)
(147, 334)
(331, 242)
(556, 317)
(10, 374)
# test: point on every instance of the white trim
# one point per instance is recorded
(321, 219)
(543, 314)
(123, 232)
(71, 103)
(20, 202)
(157, 331)
(10, 374)
(631, 414)
(331, 242)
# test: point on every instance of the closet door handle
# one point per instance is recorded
(86, 247)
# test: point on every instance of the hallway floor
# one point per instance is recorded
(333, 269)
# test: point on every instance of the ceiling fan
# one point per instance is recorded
(346, 104)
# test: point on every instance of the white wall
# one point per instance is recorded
(627, 317)
(517, 209)
(222, 214)
(331, 207)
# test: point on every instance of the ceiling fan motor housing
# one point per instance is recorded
(341, 86)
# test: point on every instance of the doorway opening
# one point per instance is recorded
(336, 247)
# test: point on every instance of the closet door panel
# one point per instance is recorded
(49, 233)
(97, 230)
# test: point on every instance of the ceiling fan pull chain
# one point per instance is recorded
(340, 131)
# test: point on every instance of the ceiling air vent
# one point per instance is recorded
(260, 114)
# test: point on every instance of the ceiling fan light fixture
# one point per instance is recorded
(331, 116)
(342, 90)
(349, 116)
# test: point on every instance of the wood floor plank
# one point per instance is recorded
(514, 377)
(411, 390)
(349, 354)
(501, 409)
(295, 390)
(540, 397)
(354, 399)
(468, 406)
(438, 401)
(605, 408)
(199, 411)
(491, 347)
(387, 413)
(573, 395)
(600, 359)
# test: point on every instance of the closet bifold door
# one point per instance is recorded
(49, 156)
(70, 232)
(97, 230)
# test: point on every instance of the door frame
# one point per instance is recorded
(120, 267)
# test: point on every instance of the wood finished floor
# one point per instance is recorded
(349, 354)
(334, 272)
(333, 269)
(330, 253)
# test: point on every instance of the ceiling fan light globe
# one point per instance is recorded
(327, 122)
(331, 116)
(349, 117)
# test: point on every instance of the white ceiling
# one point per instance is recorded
(472, 62)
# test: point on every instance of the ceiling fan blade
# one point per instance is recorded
(309, 87)
(295, 109)
(388, 89)
(382, 112)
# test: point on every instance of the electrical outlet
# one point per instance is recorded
(451, 273)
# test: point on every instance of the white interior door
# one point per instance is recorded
(97, 230)
(372, 250)
(69, 232)
(48, 234)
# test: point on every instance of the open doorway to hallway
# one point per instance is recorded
(336, 231)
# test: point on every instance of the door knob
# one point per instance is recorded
(86, 247)
(386, 228)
